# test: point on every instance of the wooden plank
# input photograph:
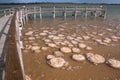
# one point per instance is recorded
(13, 69)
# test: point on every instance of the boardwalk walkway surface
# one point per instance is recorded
(4, 27)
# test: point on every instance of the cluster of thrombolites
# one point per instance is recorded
(66, 44)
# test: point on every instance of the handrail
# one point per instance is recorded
(13, 69)
(5, 12)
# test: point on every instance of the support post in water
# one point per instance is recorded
(75, 13)
(40, 13)
(4, 13)
(26, 15)
(86, 12)
(105, 13)
(64, 13)
(23, 16)
(95, 12)
(34, 12)
(53, 12)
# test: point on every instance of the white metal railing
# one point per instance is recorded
(5, 12)
(19, 42)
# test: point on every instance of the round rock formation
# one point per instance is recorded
(57, 62)
(66, 49)
(114, 63)
(78, 57)
(95, 58)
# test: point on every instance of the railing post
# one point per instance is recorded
(26, 14)
(75, 13)
(40, 13)
(19, 44)
(86, 13)
(34, 12)
(64, 12)
(104, 15)
(23, 15)
(54, 12)
(4, 13)
(95, 13)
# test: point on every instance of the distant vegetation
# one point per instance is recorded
(54, 3)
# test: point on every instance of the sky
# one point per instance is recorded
(74, 1)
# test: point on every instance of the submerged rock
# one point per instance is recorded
(44, 48)
(58, 54)
(75, 50)
(81, 45)
(50, 56)
(95, 58)
(70, 45)
(114, 63)
(43, 34)
(88, 48)
(74, 42)
(57, 62)
(86, 37)
(31, 38)
(29, 33)
(28, 47)
(27, 77)
(78, 57)
(47, 40)
(66, 49)
(107, 40)
(35, 48)
(52, 45)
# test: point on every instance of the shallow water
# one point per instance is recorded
(36, 66)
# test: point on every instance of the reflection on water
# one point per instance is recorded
(87, 31)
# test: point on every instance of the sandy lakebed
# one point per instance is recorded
(56, 49)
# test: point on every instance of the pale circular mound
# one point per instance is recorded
(29, 33)
(47, 40)
(86, 37)
(65, 49)
(43, 34)
(107, 40)
(114, 63)
(27, 77)
(28, 46)
(31, 38)
(95, 58)
(52, 45)
(58, 54)
(57, 62)
(70, 45)
(78, 57)
(74, 42)
(50, 56)
(35, 48)
(81, 45)
(56, 38)
(44, 48)
(76, 50)
(61, 35)
(88, 48)
(45, 31)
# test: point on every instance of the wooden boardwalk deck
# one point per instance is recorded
(4, 27)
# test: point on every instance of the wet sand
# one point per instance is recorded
(35, 63)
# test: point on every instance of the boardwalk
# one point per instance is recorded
(76, 11)
(4, 27)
